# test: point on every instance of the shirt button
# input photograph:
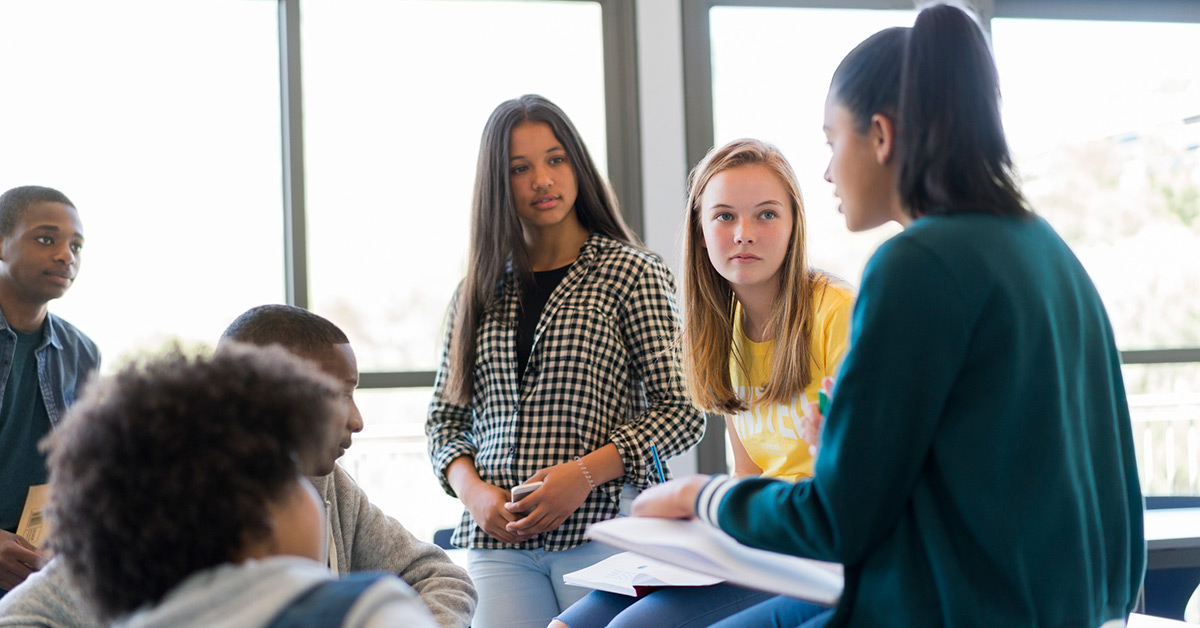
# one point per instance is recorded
(512, 450)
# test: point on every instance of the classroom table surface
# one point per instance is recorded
(1172, 537)
(1149, 621)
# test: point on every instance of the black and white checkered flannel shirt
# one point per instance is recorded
(602, 369)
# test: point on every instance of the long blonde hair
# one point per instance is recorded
(708, 299)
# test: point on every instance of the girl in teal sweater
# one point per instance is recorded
(977, 463)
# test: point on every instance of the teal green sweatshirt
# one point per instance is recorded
(977, 463)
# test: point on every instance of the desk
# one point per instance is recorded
(1172, 538)
(1150, 621)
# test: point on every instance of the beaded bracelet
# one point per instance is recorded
(586, 474)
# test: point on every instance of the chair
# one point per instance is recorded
(441, 538)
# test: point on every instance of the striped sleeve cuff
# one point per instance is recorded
(708, 502)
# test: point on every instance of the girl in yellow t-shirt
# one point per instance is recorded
(769, 438)
(761, 331)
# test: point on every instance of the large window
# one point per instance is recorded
(169, 146)
(1107, 141)
(396, 95)
(169, 126)
(390, 461)
(162, 121)
(1104, 122)
(774, 90)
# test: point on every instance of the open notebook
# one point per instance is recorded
(699, 547)
(628, 573)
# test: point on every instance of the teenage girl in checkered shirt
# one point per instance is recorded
(558, 366)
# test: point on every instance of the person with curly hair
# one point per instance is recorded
(360, 536)
(177, 495)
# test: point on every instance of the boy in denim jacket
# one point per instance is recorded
(44, 360)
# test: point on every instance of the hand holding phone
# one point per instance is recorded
(520, 491)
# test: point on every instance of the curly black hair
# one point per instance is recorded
(168, 466)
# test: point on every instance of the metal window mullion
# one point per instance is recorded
(697, 80)
(397, 379)
(622, 119)
(1101, 10)
(295, 228)
(1160, 356)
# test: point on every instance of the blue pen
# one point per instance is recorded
(657, 463)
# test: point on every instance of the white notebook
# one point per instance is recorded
(632, 574)
(699, 547)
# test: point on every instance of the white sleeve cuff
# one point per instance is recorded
(708, 502)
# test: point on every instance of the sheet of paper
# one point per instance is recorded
(701, 548)
(33, 525)
(623, 573)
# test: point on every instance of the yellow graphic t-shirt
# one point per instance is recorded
(771, 434)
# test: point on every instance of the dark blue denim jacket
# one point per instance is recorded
(65, 360)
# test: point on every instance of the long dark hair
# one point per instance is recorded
(496, 235)
(937, 81)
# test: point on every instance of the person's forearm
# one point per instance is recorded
(461, 474)
(605, 464)
(671, 500)
(743, 464)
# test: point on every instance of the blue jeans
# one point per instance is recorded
(524, 588)
(671, 607)
(780, 612)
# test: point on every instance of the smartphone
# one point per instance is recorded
(520, 491)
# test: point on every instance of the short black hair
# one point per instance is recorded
(168, 466)
(294, 328)
(16, 201)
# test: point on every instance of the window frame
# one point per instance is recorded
(623, 135)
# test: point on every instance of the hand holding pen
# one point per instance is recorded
(658, 468)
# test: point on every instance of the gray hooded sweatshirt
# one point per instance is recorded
(364, 539)
(252, 593)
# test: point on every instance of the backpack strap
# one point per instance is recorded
(327, 603)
